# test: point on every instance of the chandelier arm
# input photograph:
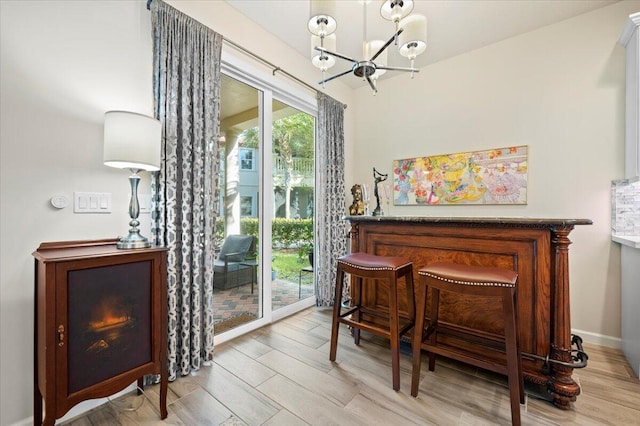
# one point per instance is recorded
(338, 55)
(397, 69)
(336, 76)
(393, 37)
(373, 86)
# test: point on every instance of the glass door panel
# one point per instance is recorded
(292, 234)
(237, 295)
(265, 213)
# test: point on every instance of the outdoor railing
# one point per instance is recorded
(299, 165)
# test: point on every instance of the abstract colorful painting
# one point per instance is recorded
(494, 176)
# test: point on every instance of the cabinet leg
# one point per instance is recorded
(140, 386)
(37, 406)
(48, 420)
(40, 405)
(49, 414)
(164, 384)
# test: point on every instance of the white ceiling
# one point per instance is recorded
(454, 26)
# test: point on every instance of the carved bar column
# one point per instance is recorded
(355, 237)
(561, 385)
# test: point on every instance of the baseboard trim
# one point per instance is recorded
(599, 339)
(82, 407)
(24, 422)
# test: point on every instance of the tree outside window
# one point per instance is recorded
(293, 137)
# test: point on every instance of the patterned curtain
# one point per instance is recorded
(186, 78)
(331, 229)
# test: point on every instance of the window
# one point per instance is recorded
(246, 159)
(246, 206)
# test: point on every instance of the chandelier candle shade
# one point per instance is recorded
(413, 40)
(321, 59)
(132, 141)
(395, 10)
(322, 24)
(321, 21)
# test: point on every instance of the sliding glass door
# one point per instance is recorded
(237, 290)
(265, 214)
(292, 152)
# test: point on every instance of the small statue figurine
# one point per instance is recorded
(378, 177)
(357, 207)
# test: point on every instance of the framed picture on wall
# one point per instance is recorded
(493, 176)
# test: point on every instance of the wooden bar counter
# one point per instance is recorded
(538, 249)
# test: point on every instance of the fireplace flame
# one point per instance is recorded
(108, 321)
(107, 315)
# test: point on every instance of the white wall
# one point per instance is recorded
(559, 90)
(63, 64)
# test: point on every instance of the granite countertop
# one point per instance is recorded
(631, 241)
(481, 220)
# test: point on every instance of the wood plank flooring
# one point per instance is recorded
(281, 375)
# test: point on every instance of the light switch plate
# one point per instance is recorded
(92, 202)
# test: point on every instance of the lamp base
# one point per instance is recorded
(133, 241)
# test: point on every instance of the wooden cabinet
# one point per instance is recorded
(537, 249)
(100, 323)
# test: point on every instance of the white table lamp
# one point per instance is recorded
(132, 141)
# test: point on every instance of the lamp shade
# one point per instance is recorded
(413, 40)
(395, 10)
(131, 141)
(329, 44)
(322, 20)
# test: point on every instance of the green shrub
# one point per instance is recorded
(291, 232)
(250, 226)
(285, 233)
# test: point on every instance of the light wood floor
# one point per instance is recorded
(281, 375)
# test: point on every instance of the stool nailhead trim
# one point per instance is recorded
(373, 268)
(486, 284)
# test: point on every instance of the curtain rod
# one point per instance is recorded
(274, 68)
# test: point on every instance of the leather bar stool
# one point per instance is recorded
(475, 281)
(373, 269)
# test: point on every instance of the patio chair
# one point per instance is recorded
(230, 269)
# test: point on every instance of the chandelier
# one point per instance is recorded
(410, 38)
